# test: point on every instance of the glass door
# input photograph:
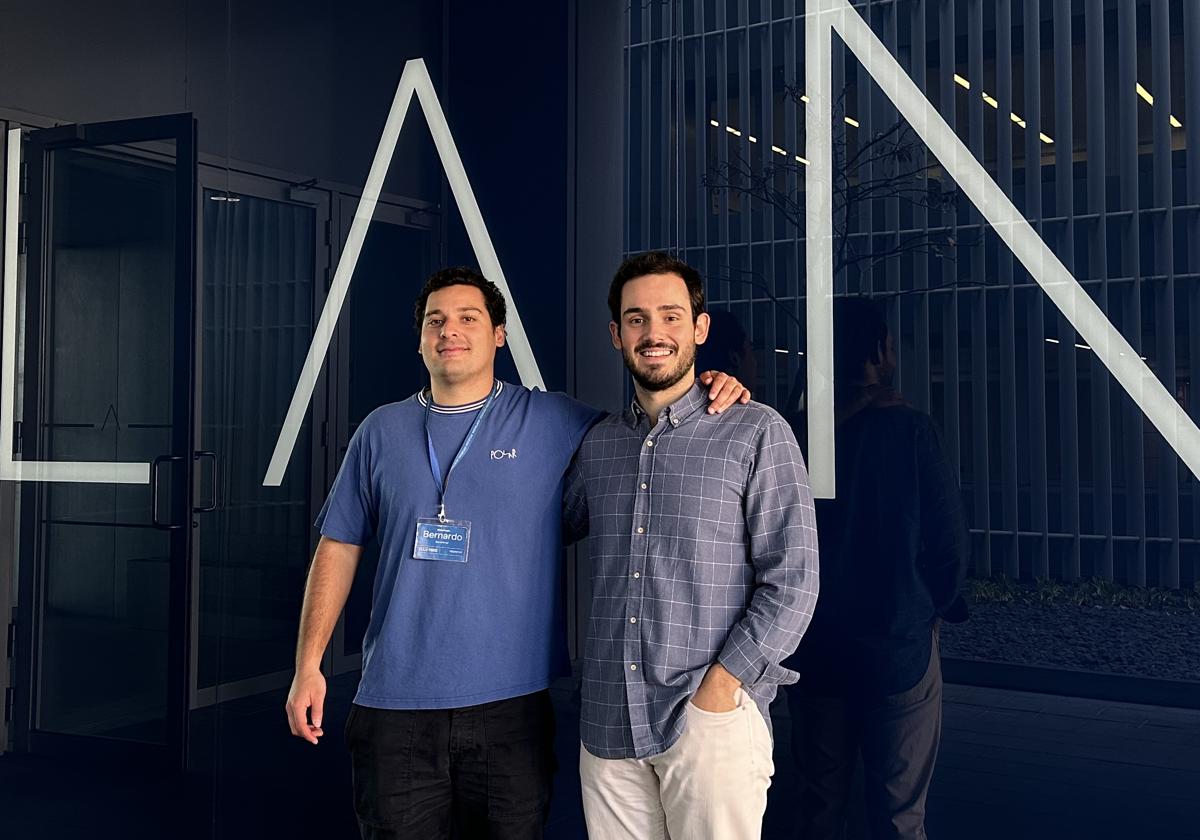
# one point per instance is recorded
(263, 269)
(106, 527)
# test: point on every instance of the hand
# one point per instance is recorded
(716, 690)
(725, 390)
(308, 692)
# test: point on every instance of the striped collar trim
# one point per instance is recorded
(425, 399)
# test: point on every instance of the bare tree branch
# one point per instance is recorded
(891, 165)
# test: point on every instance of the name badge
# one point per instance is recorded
(449, 540)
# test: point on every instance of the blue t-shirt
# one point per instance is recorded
(446, 634)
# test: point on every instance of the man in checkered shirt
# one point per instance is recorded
(704, 577)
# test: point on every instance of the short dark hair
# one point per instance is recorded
(859, 330)
(461, 275)
(655, 262)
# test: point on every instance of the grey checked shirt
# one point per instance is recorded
(703, 549)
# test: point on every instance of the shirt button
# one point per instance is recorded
(637, 574)
(641, 530)
(632, 667)
(632, 620)
(674, 421)
(644, 485)
(649, 443)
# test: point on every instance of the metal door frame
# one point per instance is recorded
(181, 128)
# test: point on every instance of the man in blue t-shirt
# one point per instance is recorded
(461, 484)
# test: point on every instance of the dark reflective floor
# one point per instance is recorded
(1012, 765)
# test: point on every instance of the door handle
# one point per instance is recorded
(212, 473)
(154, 467)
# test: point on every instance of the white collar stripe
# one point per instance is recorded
(424, 399)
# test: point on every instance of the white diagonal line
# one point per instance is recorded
(415, 78)
(341, 279)
(489, 263)
(1059, 284)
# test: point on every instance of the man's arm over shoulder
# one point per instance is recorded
(575, 417)
(782, 534)
(575, 505)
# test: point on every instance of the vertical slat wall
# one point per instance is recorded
(1067, 438)
(1062, 475)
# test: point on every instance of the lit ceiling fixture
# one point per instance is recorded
(733, 131)
(1146, 95)
(991, 100)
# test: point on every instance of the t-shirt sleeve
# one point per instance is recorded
(349, 514)
(579, 418)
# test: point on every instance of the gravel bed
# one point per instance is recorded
(1114, 640)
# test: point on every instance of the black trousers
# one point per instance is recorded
(897, 737)
(477, 772)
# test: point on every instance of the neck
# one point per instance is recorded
(653, 402)
(462, 393)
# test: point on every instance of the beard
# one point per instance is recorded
(664, 377)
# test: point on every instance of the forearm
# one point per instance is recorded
(325, 594)
(770, 631)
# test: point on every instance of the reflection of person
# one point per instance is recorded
(893, 555)
(704, 574)
(452, 726)
(728, 348)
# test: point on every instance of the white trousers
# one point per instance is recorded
(711, 784)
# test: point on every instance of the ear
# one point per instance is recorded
(702, 324)
(615, 331)
(500, 335)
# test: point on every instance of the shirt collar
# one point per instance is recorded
(677, 412)
(425, 398)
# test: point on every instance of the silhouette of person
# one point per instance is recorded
(728, 349)
(893, 555)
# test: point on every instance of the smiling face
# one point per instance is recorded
(458, 340)
(657, 335)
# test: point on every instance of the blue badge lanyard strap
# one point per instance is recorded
(435, 465)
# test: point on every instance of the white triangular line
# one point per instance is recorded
(414, 79)
(1027, 245)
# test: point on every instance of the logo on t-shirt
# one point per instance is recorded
(502, 454)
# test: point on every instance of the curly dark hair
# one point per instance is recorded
(461, 275)
(655, 262)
